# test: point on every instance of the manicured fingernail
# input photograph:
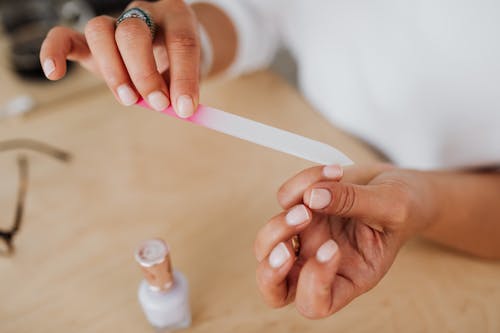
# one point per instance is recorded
(185, 106)
(48, 67)
(158, 100)
(333, 171)
(297, 215)
(126, 94)
(320, 198)
(327, 251)
(279, 255)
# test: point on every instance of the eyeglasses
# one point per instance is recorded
(7, 236)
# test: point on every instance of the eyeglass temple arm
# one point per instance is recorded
(36, 146)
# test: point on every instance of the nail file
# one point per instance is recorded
(262, 134)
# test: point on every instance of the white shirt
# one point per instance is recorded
(420, 80)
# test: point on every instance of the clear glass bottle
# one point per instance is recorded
(164, 293)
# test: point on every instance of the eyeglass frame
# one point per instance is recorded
(7, 235)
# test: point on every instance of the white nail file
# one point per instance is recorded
(264, 135)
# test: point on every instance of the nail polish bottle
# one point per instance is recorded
(163, 294)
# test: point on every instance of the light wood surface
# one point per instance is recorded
(138, 174)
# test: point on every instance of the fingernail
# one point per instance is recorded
(333, 171)
(48, 67)
(185, 106)
(279, 255)
(158, 100)
(126, 94)
(326, 251)
(297, 215)
(320, 198)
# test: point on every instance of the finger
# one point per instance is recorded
(290, 193)
(100, 34)
(184, 56)
(383, 203)
(272, 275)
(292, 190)
(281, 228)
(363, 174)
(314, 296)
(135, 44)
(60, 44)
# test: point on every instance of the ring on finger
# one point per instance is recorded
(141, 14)
(296, 245)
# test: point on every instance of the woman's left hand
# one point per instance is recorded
(351, 226)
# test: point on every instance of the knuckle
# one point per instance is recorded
(283, 195)
(263, 279)
(273, 301)
(178, 7)
(128, 30)
(265, 235)
(146, 76)
(184, 40)
(186, 82)
(346, 198)
(97, 25)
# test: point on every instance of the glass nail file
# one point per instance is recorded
(262, 134)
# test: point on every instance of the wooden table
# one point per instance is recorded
(138, 174)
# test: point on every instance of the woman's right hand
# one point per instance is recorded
(163, 71)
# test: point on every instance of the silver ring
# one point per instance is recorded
(139, 13)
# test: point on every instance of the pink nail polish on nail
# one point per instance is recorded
(320, 198)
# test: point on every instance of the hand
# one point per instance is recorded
(129, 61)
(350, 233)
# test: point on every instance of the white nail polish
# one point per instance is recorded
(279, 255)
(320, 198)
(333, 171)
(185, 106)
(158, 100)
(126, 95)
(48, 67)
(326, 251)
(297, 215)
(163, 294)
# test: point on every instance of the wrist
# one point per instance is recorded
(220, 32)
(418, 195)
(426, 200)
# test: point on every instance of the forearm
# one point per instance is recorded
(222, 35)
(468, 211)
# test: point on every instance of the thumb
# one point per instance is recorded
(315, 296)
(382, 202)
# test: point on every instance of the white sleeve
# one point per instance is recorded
(257, 29)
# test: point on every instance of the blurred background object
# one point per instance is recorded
(23, 27)
(26, 23)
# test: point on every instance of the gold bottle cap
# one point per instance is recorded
(153, 256)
